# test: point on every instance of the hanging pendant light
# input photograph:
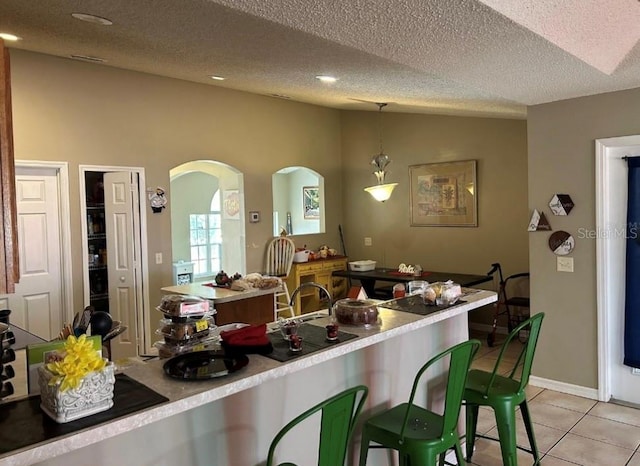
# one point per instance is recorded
(382, 191)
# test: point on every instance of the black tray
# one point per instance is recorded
(314, 338)
(414, 305)
(202, 365)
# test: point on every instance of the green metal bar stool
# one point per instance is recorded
(338, 418)
(421, 436)
(504, 394)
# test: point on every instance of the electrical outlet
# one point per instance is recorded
(367, 241)
(158, 258)
(564, 264)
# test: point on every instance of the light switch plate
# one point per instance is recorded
(564, 264)
(368, 241)
(158, 258)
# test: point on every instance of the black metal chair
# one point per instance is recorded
(506, 303)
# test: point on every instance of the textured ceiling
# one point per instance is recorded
(463, 57)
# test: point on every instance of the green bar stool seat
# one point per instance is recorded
(338, 417)
(421, 436)
(504, 394)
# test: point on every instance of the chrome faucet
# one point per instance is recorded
(317, 285)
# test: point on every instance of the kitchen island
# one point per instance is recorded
(252, 306)
(231, 421)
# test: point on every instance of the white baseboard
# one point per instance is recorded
(563, 387)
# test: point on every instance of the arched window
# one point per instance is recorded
(204, 228)
(205, 239)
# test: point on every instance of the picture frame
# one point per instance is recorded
(311, 202)
(444, 194)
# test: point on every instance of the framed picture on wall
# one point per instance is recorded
(311, 202)
(444, 194)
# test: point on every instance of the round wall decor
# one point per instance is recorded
(561, 243)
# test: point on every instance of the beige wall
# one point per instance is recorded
(562, 160)
(91, 114)
(498, 145)
(82, 113)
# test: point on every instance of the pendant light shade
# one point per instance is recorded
(382, 191)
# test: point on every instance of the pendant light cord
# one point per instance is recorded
(380, 105)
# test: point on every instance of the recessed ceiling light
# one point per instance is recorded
(92, 19)
(217, 78)
(326, 79)
(7, 36)
(88, 58)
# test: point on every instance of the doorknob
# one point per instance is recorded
(122, 279)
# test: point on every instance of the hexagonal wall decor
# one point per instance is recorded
(561, 204)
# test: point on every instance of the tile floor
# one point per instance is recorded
(569, 429)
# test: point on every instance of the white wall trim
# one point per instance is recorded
(602, 272)
(62, 175)
(564, 387)
(608, 289)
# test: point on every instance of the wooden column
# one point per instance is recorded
(9, 263)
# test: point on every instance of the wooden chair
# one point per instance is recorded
(280, 253)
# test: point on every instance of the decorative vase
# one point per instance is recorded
(94, 394)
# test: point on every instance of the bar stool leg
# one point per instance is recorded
(506, 420)
(472, 423)
(364, 447)
(524, 408)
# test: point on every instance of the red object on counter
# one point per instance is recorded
(246, 336)
(399, 290)
(332, 331)
(295, 343)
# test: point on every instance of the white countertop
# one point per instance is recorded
(216, 294)
(189, 395)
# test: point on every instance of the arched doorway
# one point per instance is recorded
(207, 217)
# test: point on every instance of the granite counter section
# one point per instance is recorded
(184, 396)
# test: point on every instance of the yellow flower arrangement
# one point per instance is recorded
(78, 359)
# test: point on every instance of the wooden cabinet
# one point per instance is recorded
(257, 310)
(9, 264)
(318, 271)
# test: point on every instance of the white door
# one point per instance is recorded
(36, 305)
(119, 189)
(611, 218)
